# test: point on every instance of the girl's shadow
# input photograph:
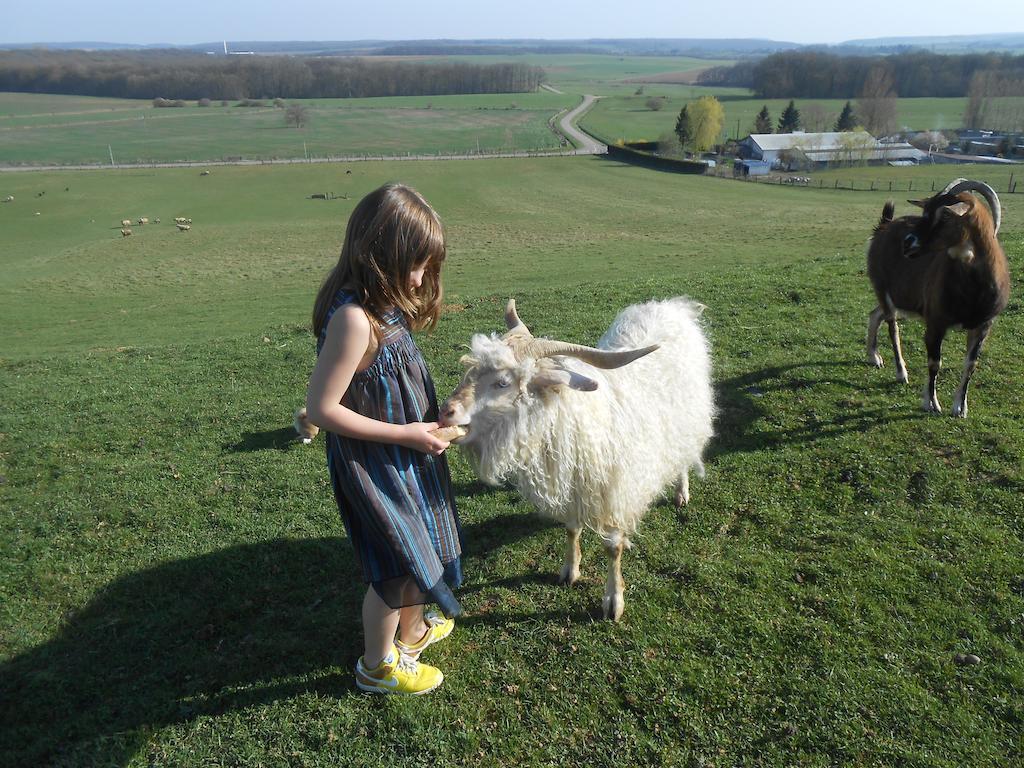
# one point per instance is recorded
(194, 637)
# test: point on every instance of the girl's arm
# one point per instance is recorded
(348, 339)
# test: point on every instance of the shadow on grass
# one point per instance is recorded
(243, 626)
(743, 403)
(272, 439)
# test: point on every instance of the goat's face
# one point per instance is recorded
(941, 225)
(497, 386)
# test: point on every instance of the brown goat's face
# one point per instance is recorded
(941, 225)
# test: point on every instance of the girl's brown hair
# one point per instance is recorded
(392, 232)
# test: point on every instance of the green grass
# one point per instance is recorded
(72, 130)
(626, 116)
(175, 587)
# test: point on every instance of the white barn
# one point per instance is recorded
(795, 149)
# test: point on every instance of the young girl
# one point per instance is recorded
(371, 392)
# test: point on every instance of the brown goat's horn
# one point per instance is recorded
(967, 185)
(599, 358)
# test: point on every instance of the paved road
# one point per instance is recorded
(587, 146)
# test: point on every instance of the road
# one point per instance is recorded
(587, 144)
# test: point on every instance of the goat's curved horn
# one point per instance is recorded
(967, 185)
(599, 358)
(512, 321)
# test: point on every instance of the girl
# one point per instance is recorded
(371, 391)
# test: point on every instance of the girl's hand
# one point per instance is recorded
(417, 437)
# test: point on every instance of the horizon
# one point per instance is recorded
(55, 22)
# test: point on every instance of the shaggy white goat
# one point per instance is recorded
(126, 223)
(592, 437)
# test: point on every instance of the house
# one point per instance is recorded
(789, 151)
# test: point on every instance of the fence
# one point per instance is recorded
(854, 185)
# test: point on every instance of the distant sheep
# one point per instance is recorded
(9, 199)
(183, 227)
(126, 222)
(143, 220)
(125, 232)
(156, 221)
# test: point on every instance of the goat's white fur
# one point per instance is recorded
(597, 457)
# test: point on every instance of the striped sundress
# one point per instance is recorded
(396, 503)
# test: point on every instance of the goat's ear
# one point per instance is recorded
(957, 209)
(550, 378)
(918, 203)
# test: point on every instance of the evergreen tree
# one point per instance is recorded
(763, 121)
(683, 130)
(790, 120)
(847, 121)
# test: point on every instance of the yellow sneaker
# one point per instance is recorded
(438, 628)
(398, 674)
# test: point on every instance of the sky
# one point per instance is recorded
(197, 21)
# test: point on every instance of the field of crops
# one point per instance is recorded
(175, 584)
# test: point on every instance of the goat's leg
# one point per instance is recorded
(933, 336)
(874, 320)
(571, 567)
(683, 489)
(975, 338)
(897, 349)
(613, 601)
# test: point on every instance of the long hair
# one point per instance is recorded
(392, 232)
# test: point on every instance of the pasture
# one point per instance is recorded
(46, 129)
(176, 588)
(626, 116)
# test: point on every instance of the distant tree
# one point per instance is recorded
(297, 115)
(790, 120)
(683, 130)
(847, 120)
(876, 106)
(763, 121)
(815, 117)
(655, 104)
(706, 118)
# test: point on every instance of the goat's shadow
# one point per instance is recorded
(742, 401)
(197, 637)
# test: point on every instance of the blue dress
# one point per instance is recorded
(397, 503)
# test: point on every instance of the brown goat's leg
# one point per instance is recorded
(613, 601)
(897, 350)
(933, 336)
(874, 320)
(571, 567)
(975, 338)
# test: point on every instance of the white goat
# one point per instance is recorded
(592, 437)
(126, 223)
(9, 199)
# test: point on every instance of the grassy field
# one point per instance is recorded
(46, 129)
(175, 588)
(626, 116)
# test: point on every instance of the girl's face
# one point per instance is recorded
(416, 276)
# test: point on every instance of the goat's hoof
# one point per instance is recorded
(613, 605)
(682, 499)
(902, 378)
(568, 576)
(958, 412)
(875, 359)
(931, 406)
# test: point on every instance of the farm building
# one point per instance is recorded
(750, 168)
(795, 150)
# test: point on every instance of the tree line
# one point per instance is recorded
(822, 75)
(186, 75)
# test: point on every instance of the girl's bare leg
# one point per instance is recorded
(411, 626)
(380, 623)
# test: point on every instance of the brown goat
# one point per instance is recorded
(946, 266)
